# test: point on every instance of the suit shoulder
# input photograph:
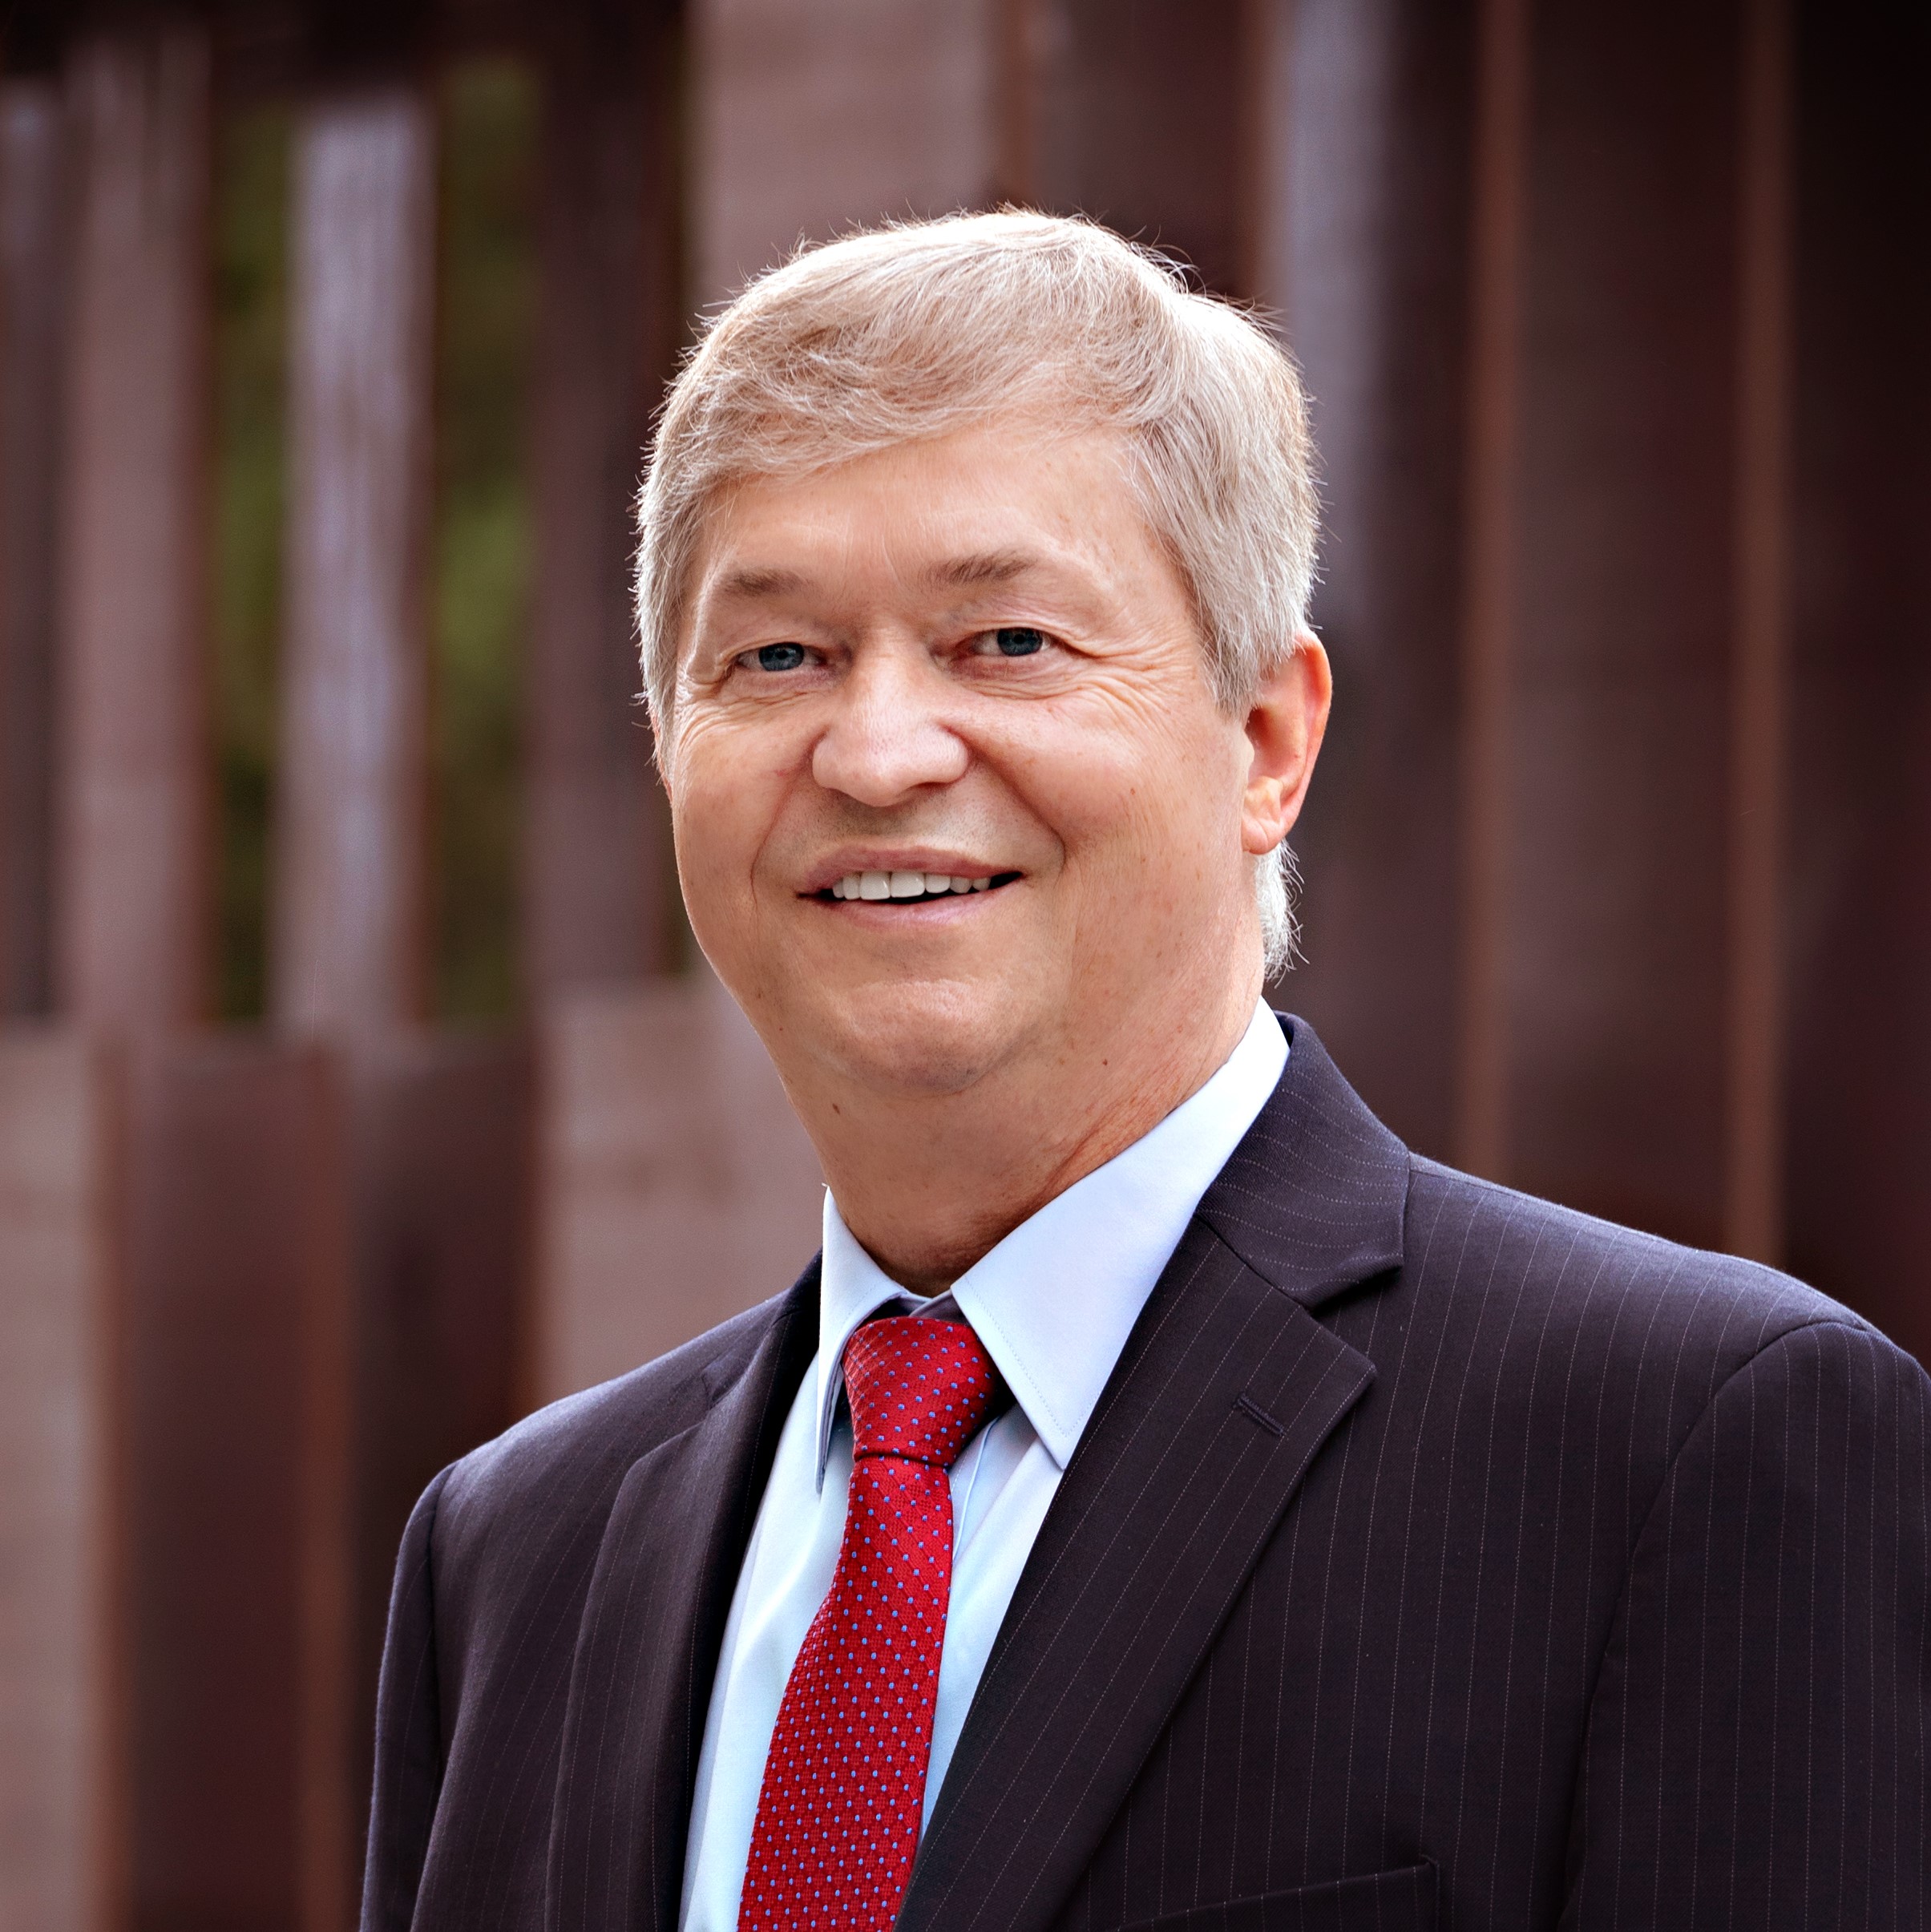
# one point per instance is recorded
(571, 1455)
(1632, 1290)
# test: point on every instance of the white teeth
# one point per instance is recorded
(904, 885)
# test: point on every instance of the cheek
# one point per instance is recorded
(1150, 795)
(720, 816)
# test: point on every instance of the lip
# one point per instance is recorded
(895, 916)
(828, 871)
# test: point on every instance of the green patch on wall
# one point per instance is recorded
(480, 550)
(482, 556)
(250, 371)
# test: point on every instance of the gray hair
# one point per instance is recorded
(918, 328)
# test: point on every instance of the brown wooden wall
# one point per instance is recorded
(1616, 867)
(1604, 301)
(1858, 908)
(235, 1402)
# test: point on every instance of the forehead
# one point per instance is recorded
(975, 508)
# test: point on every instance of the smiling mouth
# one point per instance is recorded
(909, 888)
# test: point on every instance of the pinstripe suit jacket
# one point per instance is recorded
(1436, 1557)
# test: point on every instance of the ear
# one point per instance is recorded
(1285, 725)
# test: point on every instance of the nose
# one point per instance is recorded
(887, 737)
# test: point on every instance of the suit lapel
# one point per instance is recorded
(647, 1648)
(1223, 1398)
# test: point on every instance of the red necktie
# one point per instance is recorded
(844, 1784)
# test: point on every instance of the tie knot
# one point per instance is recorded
(918, 1388)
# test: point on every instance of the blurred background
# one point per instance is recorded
(359, 1087)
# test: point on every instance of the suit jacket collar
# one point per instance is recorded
(648, 1644)
(1226, 1392)
(1314, 1198)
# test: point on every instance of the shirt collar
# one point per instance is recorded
(1055, 1301)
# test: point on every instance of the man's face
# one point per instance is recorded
(960, 663)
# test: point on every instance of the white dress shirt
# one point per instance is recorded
(1053, 1303)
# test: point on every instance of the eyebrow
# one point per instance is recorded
(968, 572)
(755, 582)
(984, 567)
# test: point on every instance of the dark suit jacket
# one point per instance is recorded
(1434, 1556)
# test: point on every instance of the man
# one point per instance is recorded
(1166, 1501)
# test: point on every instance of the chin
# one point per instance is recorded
(912, 1037)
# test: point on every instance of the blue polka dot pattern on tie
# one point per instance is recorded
(844, 1783)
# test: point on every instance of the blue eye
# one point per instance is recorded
(779, 656)
(1017, 641)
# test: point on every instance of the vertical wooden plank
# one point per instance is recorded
(61, 1868)
(1753, 1206)
(1501, 134)
(236, 1351)
(1271, 123)
(442, 1248)
(805, 120)
(350, 910)
(1019, 28)
(676, 1185)
(596, 873)
(133, 869)
(249, 272)
(1367, 250)
(1859, 1023)
(1139, 121)
(1619, 691)
(32, 328)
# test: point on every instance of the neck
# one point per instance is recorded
(929, 1183)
